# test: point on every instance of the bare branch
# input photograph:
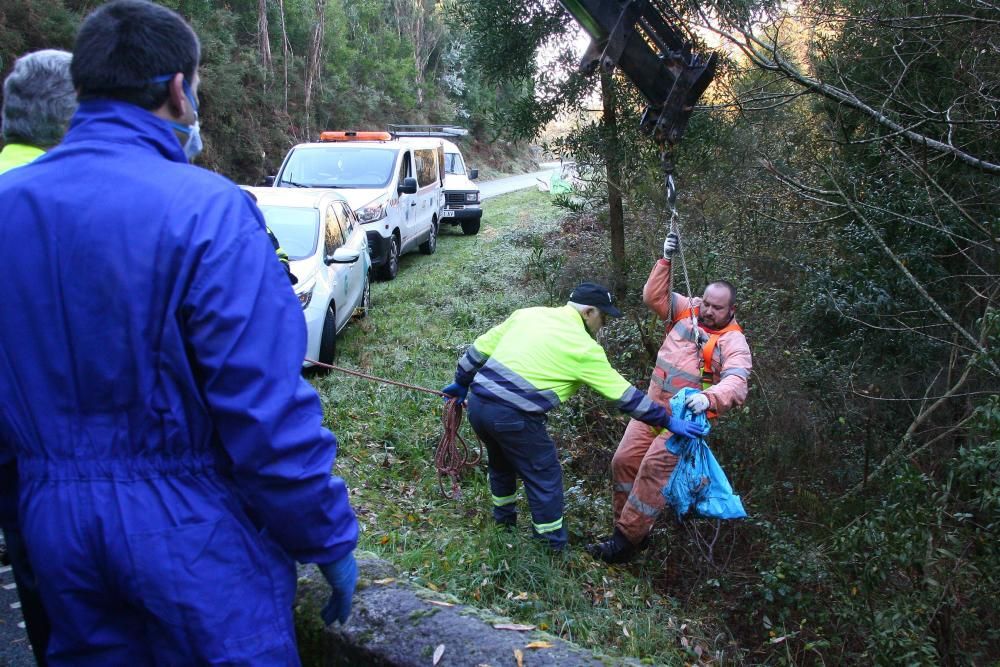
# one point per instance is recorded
(921, 417)
(935, 306)
(767, 57)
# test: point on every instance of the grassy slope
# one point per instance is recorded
(419, 325)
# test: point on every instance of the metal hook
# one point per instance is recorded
(671, 192)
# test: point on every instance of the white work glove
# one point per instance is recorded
(697, 403)
(670, 245)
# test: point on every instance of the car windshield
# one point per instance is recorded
(453, 164)
(297, 229)
(338, 167)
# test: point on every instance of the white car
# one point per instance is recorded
(328, 255)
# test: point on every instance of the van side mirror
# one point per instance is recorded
(342, 256)
(473, 174)
(267, 181)
(408, 186)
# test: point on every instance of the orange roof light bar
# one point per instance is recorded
(354, 136)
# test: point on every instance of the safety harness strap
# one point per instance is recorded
(708, 349)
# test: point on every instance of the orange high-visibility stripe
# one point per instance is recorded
(687, 312)
(708, 349)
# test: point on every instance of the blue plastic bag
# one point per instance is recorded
(698, 483)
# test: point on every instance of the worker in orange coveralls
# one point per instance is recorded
(704, 348)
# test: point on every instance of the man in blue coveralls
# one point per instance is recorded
(172, 461)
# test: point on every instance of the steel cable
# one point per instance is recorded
(674, 227)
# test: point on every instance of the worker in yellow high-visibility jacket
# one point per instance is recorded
(522, 368)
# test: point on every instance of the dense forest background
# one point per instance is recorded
(843, 171)
(277, 72)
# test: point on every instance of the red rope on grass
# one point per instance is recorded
(449, 460)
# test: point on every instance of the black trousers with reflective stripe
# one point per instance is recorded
(518, 445)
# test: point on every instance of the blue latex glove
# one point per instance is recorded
(342, 575)
(685, 428)
(456, 390)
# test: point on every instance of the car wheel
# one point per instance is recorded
(430, 245)
(389, 270)
(470, 227)
(366, 300)
(328, 343)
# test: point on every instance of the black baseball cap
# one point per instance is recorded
(598, 296)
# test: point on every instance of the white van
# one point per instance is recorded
(394, 187)
(461, 195)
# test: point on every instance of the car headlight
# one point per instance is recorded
(472, 196)
(372, 212)
(305, 296)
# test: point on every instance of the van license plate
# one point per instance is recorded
(447, 214)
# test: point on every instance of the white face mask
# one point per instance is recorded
(193, 145)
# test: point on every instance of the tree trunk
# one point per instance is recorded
(419, 46)
(616, 218)
(286, 48)
(314, 66)
(263, 36)
(416, 19)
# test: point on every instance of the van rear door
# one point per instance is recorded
(408, 204)
(429, 189)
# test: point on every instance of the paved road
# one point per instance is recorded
(14, 648)
(502, 186)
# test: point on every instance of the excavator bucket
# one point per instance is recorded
(638, 37)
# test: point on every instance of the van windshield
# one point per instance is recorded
(338, 167)
(453, 164)
(297, 229)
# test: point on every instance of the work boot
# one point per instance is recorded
(617, 548)
(507, 525)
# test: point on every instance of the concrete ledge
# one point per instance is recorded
(395, 623)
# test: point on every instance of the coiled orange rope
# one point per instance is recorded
(449, 460)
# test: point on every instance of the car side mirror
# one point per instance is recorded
(267, 181)
(473, 174)
(342, 256)
(408, 186)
